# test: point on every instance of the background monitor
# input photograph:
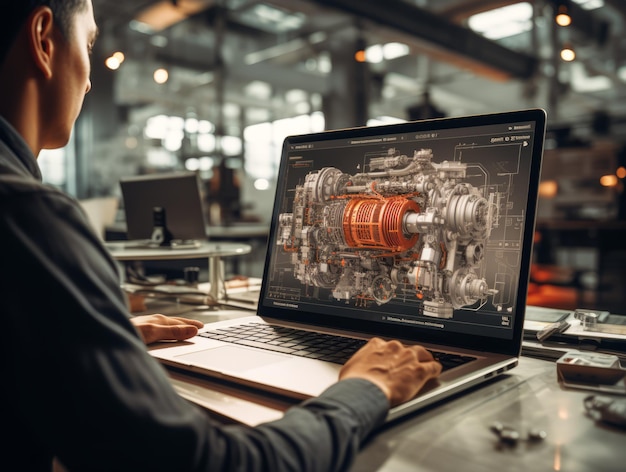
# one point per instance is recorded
(178, 193)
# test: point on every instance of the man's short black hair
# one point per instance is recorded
(15, 12)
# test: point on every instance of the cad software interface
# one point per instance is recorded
(422, 229)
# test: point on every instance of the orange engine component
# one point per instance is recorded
(377, 223)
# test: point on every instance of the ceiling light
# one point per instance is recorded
(562, 17)
(258, 89)
(205, 127)
(161, 76)
(548, 189)
(503, 22)
(192, 164)
(609, 180)
(191, 125)
(567, 53)
(296, 96)
(277, 19)
(302, 108)
(112, 63)
(395, 50)
(374, 54)
(261, 184)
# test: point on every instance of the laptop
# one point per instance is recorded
(164, 209)
(419, 231)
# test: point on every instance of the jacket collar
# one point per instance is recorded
(24, 160)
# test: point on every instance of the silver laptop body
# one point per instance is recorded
(419, 231)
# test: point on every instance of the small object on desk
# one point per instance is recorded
(191, 275)
(510, 436)
(590, 318)
(598, 321)
(591, 371)
(552, 329)
(161, 235)
(606, 409)
(536, 434)
(505, 434)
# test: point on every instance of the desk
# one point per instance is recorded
(121, 251)
(236, 231)
(252, 234)
(455, 435)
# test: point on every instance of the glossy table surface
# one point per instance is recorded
(457, 434)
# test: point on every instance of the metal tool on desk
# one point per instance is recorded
(600, 321)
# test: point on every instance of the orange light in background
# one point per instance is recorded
(608, 180)
(548, 189)
(112, 63)
(359, 56)
(621, 172)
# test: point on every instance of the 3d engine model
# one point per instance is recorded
(404, 228)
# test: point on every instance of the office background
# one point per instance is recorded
(214, 86)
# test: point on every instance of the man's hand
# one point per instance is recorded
(400, 371)
(165, 328)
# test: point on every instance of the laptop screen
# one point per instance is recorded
(423, 227)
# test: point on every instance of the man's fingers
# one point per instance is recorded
(423, 354)
(159, 332)
(180, 332)
(159, 327)
(431, 368)
(178, 319)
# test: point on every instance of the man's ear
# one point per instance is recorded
(41, 39)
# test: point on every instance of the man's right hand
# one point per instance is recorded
(400, 371)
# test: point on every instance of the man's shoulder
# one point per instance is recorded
(20, 187)
(27, 201)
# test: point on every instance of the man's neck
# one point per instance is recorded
(20, 107)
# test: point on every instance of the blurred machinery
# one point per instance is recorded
(404, 228)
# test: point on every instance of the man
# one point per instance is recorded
(78, 384)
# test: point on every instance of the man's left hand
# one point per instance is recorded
(165, 328)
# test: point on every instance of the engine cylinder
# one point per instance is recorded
(378, 223)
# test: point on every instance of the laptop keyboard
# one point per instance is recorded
(298, 342)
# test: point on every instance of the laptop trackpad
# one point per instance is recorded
(232, 358)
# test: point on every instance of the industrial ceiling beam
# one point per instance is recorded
(450, 38)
